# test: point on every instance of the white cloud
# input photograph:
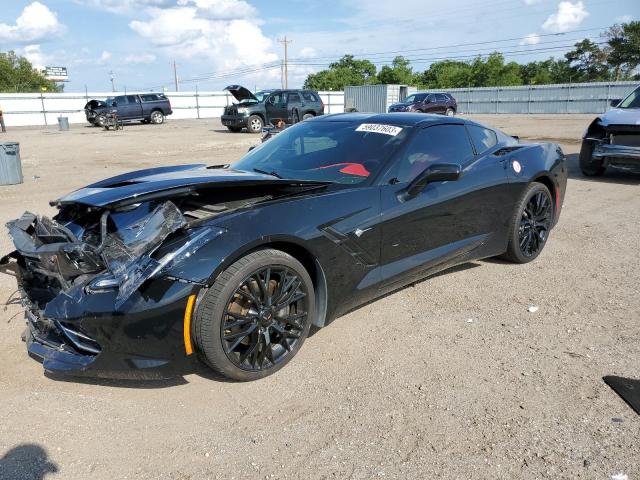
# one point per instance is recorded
(124, 6)
(34, 54)
(624, 19)
(36, 22)
(144, 58)
(307, 52)
(568, 17)
(195, 32)
(531, 39)
(221, 9)
(104, 56)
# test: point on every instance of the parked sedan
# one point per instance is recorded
(148, 271)
(425, 102)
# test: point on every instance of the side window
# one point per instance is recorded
(483, 138)
(276, 98)
(122, 100)
(133, 99)
(431, 98)
(149, 97)
(440, 98)
(310, 97)
(437, 144)
(420, 97)
(294, 98)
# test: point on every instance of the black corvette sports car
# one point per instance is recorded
(149, 271)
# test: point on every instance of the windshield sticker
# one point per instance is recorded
(379, 128)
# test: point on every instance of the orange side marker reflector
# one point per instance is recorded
(188, 348)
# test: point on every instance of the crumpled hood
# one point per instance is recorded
(620, 116)
(164, 182)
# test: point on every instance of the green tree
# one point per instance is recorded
(18, 75)
(493, 72)
(623, 49)
(587, 62)
(445, 74)
(400, 72)
(346, 71)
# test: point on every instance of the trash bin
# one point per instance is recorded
(10, 165)
(63, 123)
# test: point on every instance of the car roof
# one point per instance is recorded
(405, 119)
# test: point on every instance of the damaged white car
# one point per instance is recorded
(613, 138)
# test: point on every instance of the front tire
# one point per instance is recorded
(101, 120)
(589, 166)
(255, 124)
(530, 224)
(256, 316)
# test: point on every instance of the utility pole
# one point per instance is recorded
(175, 76)
(113, 85)
(286, 65)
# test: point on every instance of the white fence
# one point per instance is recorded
(21, 109)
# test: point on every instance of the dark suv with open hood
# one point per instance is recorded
(253, 111)
(427, 102)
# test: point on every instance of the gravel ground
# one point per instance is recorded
(450, 378)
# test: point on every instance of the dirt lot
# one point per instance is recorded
(405, 387)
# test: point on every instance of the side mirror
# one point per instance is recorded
(615, 102)
(438, 172)
(114, 104)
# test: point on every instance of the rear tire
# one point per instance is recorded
(242, 300)
(307, 116)
(157, 117)
(450, 112)
(531, 223)
(589, 166)
(255, 124)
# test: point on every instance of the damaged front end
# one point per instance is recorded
(77, 274)
(614, 143)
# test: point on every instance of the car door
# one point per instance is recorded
(276, 107)
(443, 103)
(294, 104)
(430, 105)
(448, 222)
(132, 108)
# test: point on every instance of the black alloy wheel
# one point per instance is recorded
(264, 318)
(535, 224)
(256, 316)
(531, 224)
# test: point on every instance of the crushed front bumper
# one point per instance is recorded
(627, 153)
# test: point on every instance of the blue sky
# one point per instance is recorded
(219, 42)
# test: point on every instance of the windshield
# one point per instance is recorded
(341, 152)
(261, 95)
(109, 100)
(632, 100)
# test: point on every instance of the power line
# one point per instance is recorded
(434, 59)
(370, 54)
